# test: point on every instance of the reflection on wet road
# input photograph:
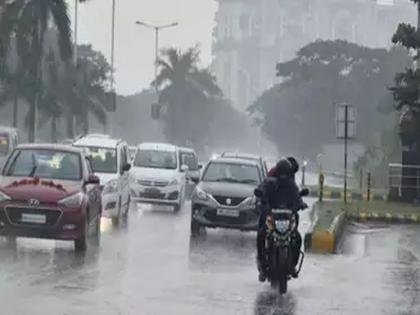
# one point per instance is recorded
(150, 266)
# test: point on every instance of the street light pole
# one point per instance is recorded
(76, 28)
(113, 45)
(156, 29)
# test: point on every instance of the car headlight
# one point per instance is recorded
(174, 182)
(200, 194)
(111, 187)
(251, 201)
(73, 201)
(4, 197)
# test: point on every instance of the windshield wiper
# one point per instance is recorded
(227, 179)
(34, 166)
(249, 181)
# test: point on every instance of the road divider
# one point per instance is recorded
(333, 215)
(328, 229)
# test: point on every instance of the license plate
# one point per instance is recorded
(152, 192)
(228, 213)
(33, 218)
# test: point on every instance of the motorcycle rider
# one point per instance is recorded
(279, 190)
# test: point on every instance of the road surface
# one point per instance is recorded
(149, 266)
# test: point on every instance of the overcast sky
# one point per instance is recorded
(134, 51)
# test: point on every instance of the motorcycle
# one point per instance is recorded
(281, 225)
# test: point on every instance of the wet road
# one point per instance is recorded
(149, 266)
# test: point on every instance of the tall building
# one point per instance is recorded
(252, 36)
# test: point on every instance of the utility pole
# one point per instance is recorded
(418, 31)
(112, 83)
(156, 29)
(76, 29)
(346, 117)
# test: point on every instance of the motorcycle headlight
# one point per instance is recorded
(174, 182)
(4, 197)
(111, 187)
(72, 201)
(282, 226)
(200, 194)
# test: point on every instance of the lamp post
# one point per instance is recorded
(156, 29)
(305, 163)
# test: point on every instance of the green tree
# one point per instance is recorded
(299, 113)
(186, 90)
(407, 84)
(26, 22)
(93, 75)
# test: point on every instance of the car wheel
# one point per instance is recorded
(127, 209)
(98, 224)
(195, 228)
(80, 245)
(116, 220)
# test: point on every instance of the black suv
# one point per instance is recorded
(225, 195)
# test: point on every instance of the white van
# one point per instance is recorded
(158, 175)
(9, 139)
(110, 162)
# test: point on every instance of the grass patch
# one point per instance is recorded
(326, 211)
(380, 207)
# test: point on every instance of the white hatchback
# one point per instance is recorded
(110, 162)
(158, 177)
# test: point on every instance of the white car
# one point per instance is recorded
(158, 175)
(110, 162)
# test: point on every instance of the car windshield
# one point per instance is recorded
(103, 160)
(45, 163)
(4, 144)
(156, 159)
(232, 173)
(190, 160)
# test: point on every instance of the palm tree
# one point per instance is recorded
(26, 22)
(92, 80)
(184, 88)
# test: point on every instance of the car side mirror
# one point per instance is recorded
(200, 166)
(195, 180)
(184, 168)
(304, 192)
(93, 180)
(126, 167)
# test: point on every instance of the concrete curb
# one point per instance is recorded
(325, 241)
(384, 217)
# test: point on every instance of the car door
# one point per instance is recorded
(94, 194)
(124, 175)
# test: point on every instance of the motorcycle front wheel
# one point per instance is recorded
(282, 268)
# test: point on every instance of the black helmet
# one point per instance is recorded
(284, 169)
(295, 164)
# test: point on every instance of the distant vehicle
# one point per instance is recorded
(110, 162)
(225, 195)
(158, 175)
(251, 157)
(189, 158)
(49, 191)
(9, 139)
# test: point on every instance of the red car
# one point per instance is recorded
(49, 191)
